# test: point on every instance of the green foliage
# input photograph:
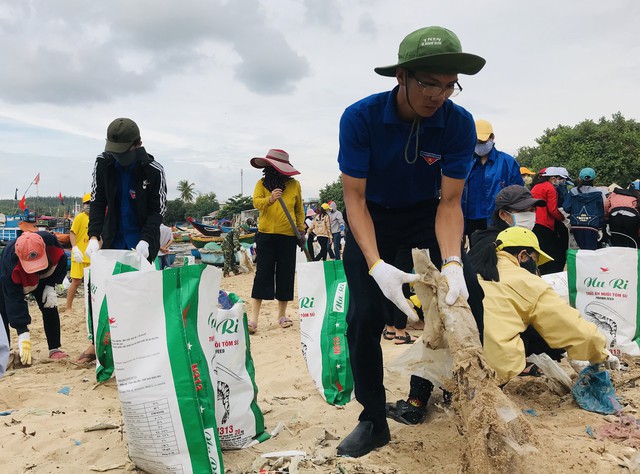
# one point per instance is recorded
(47, 205)
(610, 147)
(187, 191)
(205, 204)
(333, 192)
(176, 212)
(234, 205)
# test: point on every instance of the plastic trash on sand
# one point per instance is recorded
(594, 391)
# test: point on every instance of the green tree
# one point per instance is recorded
(176, 212)
(205, 204)
(610, 147)
(187, 191)
(236, 204)
(333, 192)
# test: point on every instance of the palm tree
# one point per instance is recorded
(187, 191)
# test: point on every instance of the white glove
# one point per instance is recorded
(24, 347)
(579, 365)
(457, 285)
(92, 247)
(612, 362)
(49, 297)
(77, 254)
(143, 249)
(390, 281)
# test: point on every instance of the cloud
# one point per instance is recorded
(64, 54)
(326, 14)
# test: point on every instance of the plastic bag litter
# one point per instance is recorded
(594, 391)
(431, 364)
(560, 381)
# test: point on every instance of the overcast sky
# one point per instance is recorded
(213, 83)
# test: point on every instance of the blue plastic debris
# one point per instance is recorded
(64, 390)
(594, 391)
(223, 300)
(8, 412)
(76, 442)
(589, 431)
(530, 412)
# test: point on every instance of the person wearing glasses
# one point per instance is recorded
(404, 156)
(491, 171)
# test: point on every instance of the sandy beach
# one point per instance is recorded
(47, 430)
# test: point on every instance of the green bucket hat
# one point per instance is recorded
(434, 49)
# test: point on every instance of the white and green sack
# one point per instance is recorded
(163, 329)
(603, 286)
(104, 264)
(323, 300)
(240, 420)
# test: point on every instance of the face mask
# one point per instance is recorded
(483, 149)
(525, 220)
(128, 157)
(527, 179)
(530, 265)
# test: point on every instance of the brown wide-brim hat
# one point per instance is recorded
(278, 159)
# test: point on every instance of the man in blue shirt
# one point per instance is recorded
(404, 156)
(491, 171)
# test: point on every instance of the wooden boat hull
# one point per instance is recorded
(199, 242)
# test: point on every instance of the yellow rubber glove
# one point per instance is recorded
(24, 344)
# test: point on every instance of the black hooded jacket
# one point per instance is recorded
(150, 198)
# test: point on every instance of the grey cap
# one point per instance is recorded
(517, 197)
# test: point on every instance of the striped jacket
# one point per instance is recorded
(150, 199)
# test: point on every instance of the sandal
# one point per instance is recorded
(284, 322)
(406, 413)
(85, 360)
(252, 326)
(406, 339)
(388, 335)
(57, 354)
(531, 370)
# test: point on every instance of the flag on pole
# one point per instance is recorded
(60, 197)
(36, 180)
(23, 203)
(16, 195)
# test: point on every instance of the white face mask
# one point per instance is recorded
(525, 220)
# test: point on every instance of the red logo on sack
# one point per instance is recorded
(430, 158)
(604, 270)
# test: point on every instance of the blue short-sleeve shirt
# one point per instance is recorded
(372, 146)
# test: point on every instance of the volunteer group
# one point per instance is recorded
(417, 172)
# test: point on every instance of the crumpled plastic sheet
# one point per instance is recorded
(594, 391)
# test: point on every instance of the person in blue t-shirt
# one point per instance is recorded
(491, 170)
(404, 156)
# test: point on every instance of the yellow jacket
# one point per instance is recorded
(272, 219)
(521, 299)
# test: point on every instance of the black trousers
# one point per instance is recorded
(551, 244)
(324, 246)
(396, 231)
(50, 317)
(275, 267)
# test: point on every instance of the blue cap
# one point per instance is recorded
(587, 174)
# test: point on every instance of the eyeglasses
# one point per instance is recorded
(435, 91)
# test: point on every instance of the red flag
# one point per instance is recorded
(23, 203)
(60, 197)
(36, 180)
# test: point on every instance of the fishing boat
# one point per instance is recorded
(205, 229)
(199, 242)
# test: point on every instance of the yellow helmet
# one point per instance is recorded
(86, 198)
